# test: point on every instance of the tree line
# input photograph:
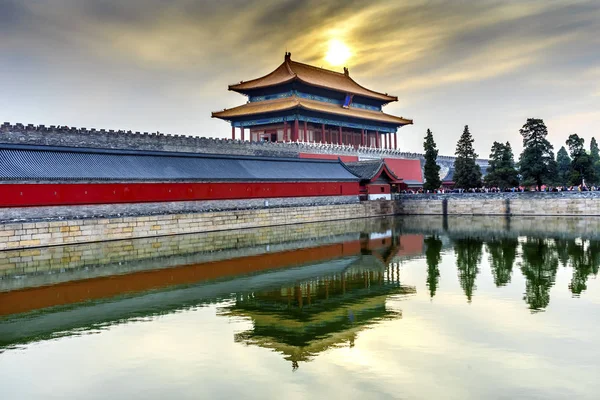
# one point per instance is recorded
(538, 260)
(536, 167)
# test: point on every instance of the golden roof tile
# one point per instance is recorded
(288, 103)
(311, 75)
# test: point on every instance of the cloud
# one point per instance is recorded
(166, 65)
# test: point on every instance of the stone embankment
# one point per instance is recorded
(18, 235)
(518, 204)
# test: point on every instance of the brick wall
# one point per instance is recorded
(48, 233)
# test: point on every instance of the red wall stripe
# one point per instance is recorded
(50, 194)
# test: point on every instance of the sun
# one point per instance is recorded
(337, 53)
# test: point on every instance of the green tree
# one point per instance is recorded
(467, 174)
(431, 170)
(563, 166)
(582, 167)
(433, 257)
(468, 256)
(595, 156)
(501, 171)
(502, 258)
(539, 266)
(537, 165)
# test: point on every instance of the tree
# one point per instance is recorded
(431, 170)
(563, 165)
(536, 163)
(595, 156)
(501, 171)
(581, 163)
(467, 174)
(468, 257)
(433, 257)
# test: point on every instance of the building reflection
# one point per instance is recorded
(305, 318)
(351, 272)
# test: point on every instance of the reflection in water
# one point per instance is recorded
(539, 265)
(307, 291)
(502, 257)
(305, 318)
(433, 256)
(468, 256)
(584, 257)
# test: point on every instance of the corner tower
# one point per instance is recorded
(300, 102)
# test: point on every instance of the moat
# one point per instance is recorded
(409, 307)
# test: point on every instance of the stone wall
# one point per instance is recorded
(111, 139)
(19, 235)
(529, 203)
(50, 213)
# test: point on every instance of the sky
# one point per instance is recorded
(157, 65)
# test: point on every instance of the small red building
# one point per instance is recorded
(377, 181)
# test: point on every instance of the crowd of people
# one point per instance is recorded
(514, 189)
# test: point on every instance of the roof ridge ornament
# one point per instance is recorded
(346, 72)
(288, 56)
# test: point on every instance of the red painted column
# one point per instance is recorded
(322, 133)
(305, 131)
(340, 136)
(295, 133)
(232, 132)
(285, 131)
(362, 137)
(377, 140)
(395, 140)
(242, 132)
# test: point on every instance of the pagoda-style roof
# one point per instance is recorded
(370, 170)
(292, 102)
(290, 71)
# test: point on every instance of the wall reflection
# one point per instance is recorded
(305, 288)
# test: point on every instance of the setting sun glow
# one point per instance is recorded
(337, 52)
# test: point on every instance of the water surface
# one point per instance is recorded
(415, 308)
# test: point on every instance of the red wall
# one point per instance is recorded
(42, 194)
(376, 188)
(329, 157)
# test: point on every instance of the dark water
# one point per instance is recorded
(414, 308)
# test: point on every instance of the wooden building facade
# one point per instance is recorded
(300, 102)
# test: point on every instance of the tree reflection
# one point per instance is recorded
(433, 256)
(539, 266)
(502, 258)
(562, 250)
(584, 258)
(468, 256)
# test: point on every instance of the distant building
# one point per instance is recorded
(300, 102)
